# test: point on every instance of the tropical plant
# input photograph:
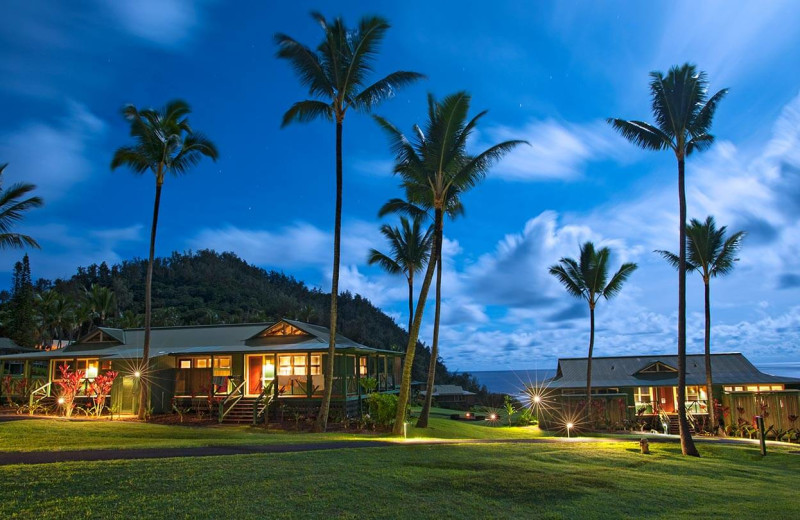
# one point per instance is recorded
(55, 312)
(683, 113)
(510, 408)
(588, 279)
(410, 249)
(101, 302)
(336, 77)
(70, 386)
(100, 386)
(165, 144)
(710, 254)
(435, 167)
(14, 203)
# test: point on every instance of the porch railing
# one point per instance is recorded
(227, 404)
(37, 394)
(265, 397)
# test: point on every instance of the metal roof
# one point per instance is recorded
(625, 371)
(200, 339)
(442, 390)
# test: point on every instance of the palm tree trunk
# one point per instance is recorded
(687, 444)
(144, 386)
(422, 422)
(410, 300)
(589, 364)
(413, 334)
(322, 418)
(712, 413)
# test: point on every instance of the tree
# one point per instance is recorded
(335, 75)
(410, 249)
(165, 144)
(435, 167)
(586, 279)
(23, 315)
(712, 255)
(683, 113)
(13, 205)
(101, 302)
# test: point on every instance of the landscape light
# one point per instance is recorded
(537, 399)
(569, 426)
(137, 374)
(493, 417)
(60, 400)
(467, 415)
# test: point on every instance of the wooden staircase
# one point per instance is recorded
(242, 412)
(674, 427)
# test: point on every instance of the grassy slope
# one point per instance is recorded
(47, 435)
(562, 480)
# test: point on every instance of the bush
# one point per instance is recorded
(382, 409)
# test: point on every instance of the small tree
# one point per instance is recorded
(510, 408)
(70, 385)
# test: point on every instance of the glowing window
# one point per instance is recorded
(185, 364)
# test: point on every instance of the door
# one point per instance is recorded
(124, 395)
(260, 371)
(666, 399)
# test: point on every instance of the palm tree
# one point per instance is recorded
(101, 302)
(453, 208)
(683, 113)
(411, 248)
(336, 75)
(13, 205)
(710, 253)
(586, 279)
(435, 168)
(165, 144)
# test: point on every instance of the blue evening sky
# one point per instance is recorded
(548, 73)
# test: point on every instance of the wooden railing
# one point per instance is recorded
(265, 397)
(229, 402)
(37, 394)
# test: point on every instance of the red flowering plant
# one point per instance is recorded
(70, 385)
(100, 386)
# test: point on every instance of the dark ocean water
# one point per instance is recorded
(514, 381)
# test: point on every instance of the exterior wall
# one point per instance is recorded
(776, 408)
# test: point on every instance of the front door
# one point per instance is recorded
(260, 371)
(666, 400)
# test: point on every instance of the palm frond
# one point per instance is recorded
(308, 110)
(615, 284)
(385, 262)
(306, 64)
(384, 89)
(565, 273)
(702, 123)
(643, 135)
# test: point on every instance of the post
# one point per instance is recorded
(760, 423)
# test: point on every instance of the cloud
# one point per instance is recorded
(163, 22)
(557, 151)
(54, 156)
(63, 249)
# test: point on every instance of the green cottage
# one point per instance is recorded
(240, 371)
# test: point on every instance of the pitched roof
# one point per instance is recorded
(8, 346)
(200, 339)
(443, 390)
(627, 371)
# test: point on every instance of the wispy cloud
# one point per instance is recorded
(162, 22)
(557, 151)
(54, 156)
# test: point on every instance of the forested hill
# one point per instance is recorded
(206, 287)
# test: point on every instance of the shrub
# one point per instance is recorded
(70, 384)
(382, 409)
(100, 386)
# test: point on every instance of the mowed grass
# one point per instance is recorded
(59, 435)
(552, 480)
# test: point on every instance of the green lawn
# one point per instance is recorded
(56, 434)
(553, 480)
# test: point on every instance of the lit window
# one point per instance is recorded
(185, 364)
(362, 366)
(202, 363)
(316, 365)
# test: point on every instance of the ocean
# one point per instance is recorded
(514, 381)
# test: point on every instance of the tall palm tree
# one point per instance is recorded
(13, 205)
(410, 249)
(435, 166)
(452, 208)
(683, 114)
(588, 279)
(165, 144)
(336, 75)
(711, 254)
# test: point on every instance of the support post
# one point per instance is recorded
(763, 434)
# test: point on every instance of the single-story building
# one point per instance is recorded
(214, 362)
(451, 396)
(646, 386)
(8, 346)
